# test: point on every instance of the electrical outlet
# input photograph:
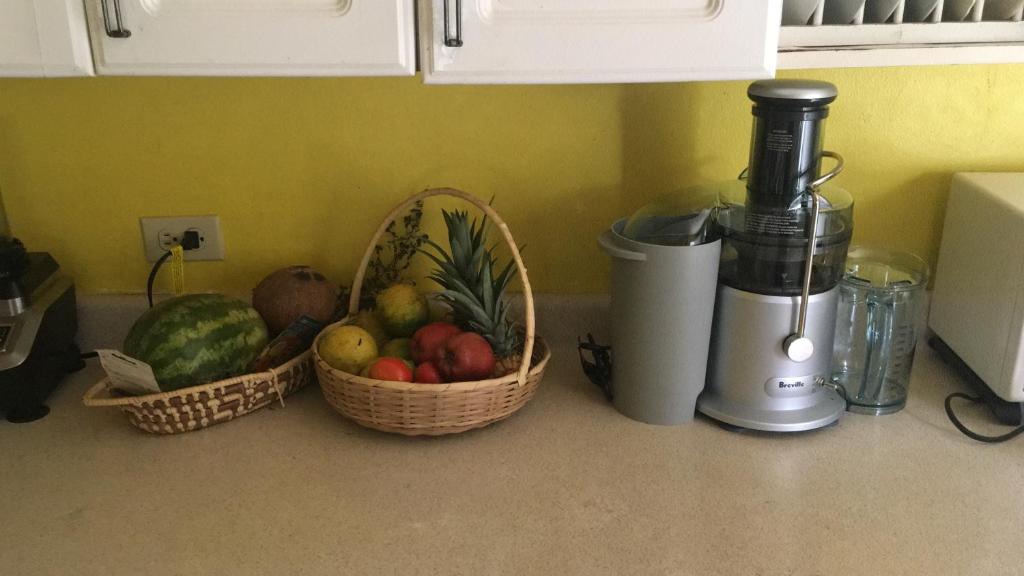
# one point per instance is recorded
(159, 234)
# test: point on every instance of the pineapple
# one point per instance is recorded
(472, 289)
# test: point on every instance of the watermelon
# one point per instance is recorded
(196, 339)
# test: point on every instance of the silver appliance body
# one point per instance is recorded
(751, 382)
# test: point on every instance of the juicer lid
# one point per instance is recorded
(881, 269)
(679, 218)
(733, 194)
(835, 220)
(799, 92)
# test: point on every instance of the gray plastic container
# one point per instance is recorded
(663, 301)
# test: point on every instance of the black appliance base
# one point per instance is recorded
(24, 388)
(26, 414)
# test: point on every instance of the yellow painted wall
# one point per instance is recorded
(301, 170)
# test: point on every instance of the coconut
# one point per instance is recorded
(290, 293)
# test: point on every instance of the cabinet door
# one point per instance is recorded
(253, 37)
(541, 41)
(44, 38)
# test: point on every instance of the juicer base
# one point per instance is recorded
(751, 382)
(824, 412)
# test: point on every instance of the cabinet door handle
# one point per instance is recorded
(452, 40)
(118, 30)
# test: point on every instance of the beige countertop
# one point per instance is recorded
(566, 486)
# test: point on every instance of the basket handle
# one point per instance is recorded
(357, 283)
(91, 397)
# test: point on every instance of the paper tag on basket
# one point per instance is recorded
(128, 374)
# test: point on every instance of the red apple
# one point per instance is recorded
(391, 369)
(465, 356)
(427, 373)
(429, 338)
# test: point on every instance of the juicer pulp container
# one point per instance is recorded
(662, 303)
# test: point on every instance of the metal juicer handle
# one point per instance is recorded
(798, 347)
(813, 186)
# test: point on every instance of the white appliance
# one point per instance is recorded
(977, 307)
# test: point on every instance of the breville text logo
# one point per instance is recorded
(790, 385)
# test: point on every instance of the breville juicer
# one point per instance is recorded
(784, 243)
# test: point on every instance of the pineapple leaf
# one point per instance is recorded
(478, 233)
(468, 305)
(430, 243)
(457, 285)
(487, 297)
(446, 270)
(447, 220)
(436, 260)
(504, 277)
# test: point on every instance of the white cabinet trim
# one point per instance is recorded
(877, 56)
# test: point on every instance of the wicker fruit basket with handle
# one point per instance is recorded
(203, 406)
(435, 409)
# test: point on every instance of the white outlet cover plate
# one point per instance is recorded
(212, 244)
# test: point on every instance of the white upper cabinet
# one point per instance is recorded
(562, 41)
(253, 37)
(43, 38)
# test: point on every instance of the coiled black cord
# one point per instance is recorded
(970, 433)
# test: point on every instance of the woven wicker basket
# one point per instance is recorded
(203, 406)
(435, 409)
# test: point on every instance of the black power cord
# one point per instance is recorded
(1005, 412)
(599, 371)
(970, 433)
(189, 241)
(152, 275)
(952, 417)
